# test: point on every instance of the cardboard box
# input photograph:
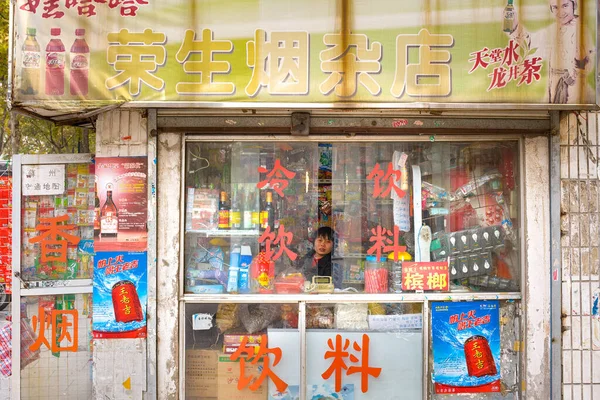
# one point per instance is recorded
(201, 374)
(228, 377)
(236, 338)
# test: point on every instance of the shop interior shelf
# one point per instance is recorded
(224, 233)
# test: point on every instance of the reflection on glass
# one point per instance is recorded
(377, 218)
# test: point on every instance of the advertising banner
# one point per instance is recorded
(83, 54)
(120, 295)
(466, 347)
(122, 191)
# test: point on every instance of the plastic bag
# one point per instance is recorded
(227, 316)
(319, 316)
(352, 316)
(256, 317)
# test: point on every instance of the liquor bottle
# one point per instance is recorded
(109, 216)
(235, 215)
(80, 62)
(31, 64)
(267, 216)
(96, 211)
(223, 212)
(55, 65)
(509, 17)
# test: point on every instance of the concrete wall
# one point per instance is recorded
(120, 365)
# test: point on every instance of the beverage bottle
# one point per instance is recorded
(223, 212)
(509, 17)
(31, 64)
(96, 211)
(235, 215)
(267, 216)
(55, 65)
(109, 216)
(80, 62)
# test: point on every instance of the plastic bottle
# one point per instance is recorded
(244, 273)
(234, 268)
(31, 64)
(55, 65)
(80, 63)
(509, 17)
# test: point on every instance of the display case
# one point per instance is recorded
(361, 244)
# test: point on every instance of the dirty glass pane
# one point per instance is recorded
(380, 344)
(56, 352)
(225, 343)
(381, 217)
(57, 222)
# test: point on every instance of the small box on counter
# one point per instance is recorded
(229, 375)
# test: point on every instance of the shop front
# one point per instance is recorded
(340, 200)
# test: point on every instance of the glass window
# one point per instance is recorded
(353, 351)
(379, 217)
(241, 351)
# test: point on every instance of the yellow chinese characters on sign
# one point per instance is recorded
(430, 76)
(425, 276)
(136, 57)
(205, 66)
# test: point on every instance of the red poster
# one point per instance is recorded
(425, 276)
(121, 204)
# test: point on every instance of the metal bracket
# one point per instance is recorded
(300, 124)
(152, 127)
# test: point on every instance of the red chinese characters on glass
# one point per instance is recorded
(53, 248)
(390, 177)
(253, 383)
(277, 178)
(282, 240)
(63, 325)
(384, 241)
(339, 353)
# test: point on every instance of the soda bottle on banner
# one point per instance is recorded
(31, 64)
(55, 65)
(80, 62)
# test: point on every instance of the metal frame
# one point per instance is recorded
(303, 299)
(80, 286)
(555, 257)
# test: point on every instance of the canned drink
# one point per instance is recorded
(126, 302)
(479, 358)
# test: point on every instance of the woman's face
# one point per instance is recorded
(323, 246)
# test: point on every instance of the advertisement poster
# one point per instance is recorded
(109, 52)
(466, 347)
(122, 187)
(120, 295)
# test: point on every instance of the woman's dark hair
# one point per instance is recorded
(324, 232)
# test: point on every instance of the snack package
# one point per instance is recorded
(289, 281)
(319, 316)
(289, 316)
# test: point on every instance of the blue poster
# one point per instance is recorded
(466, 347)
(120, 294)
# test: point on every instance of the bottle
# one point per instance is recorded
(109, 216)
(235, 215)
(55, 65)
(267, 216)
(247, 209)
(80, 62)
(509, 17)
(223, 212)
(244, 271)
(234, 268)
(96, 211)
(31, 64)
